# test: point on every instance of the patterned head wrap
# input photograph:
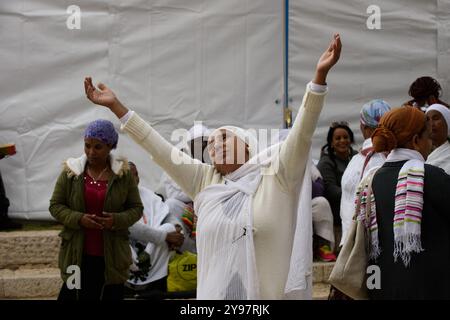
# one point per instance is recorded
(372, 112)
(104, 131)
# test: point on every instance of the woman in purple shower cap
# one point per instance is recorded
(104, 131)
(97, 200)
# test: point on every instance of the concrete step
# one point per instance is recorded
(29, 266)
(42, 283)
(40, 248)
(322, 271)
(26, 248)
(321, 291)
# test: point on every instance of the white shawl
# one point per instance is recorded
(226, 253)
(440, 157)
(299, 281)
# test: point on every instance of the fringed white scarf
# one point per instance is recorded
(407, 210)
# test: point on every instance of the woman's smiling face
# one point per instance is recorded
(341, 141)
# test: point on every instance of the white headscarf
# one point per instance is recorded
(440, 157)
(444, 111)
(197, 131)
(173, 191)
(245, 135)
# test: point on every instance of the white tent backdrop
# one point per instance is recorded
(177, 61)
(414, 40)
(173, 61)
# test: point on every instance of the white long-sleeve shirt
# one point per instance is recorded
(275, 200)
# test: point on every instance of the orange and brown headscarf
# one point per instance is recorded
(397, 127)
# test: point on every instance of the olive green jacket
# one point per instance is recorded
(122, 200)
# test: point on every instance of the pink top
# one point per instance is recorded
(94, 198)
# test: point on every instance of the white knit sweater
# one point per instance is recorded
(274, 201)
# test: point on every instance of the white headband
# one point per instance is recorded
(198, 131)
(244, 135)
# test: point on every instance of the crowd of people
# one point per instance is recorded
(256, 219)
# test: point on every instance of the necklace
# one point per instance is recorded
(98, 177)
